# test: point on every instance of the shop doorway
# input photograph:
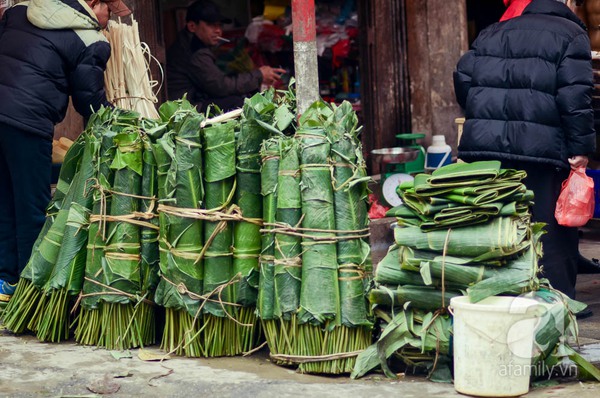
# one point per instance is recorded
(481, 14)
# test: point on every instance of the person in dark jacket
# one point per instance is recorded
(514, 8)
(526, 87)
(49, 50)
(192, 68)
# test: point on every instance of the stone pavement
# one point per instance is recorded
(33, 369)
(588, 291)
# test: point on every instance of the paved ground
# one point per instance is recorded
(32, 369)
(588, 286)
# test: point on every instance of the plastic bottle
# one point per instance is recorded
(438, 153)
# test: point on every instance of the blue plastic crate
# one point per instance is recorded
(595, 174)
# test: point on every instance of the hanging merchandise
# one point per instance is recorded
(439, 154)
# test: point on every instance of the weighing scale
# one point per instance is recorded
(417, 165)
(390, 160)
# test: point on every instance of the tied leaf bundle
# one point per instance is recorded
(287, 247)
(66, 278)
(319, 298)
(149, 251)
(314, 310)
(269, 190)
(246, 235)
(57, 264)
(409, 336)
(126, 317)
(180, 190)
(220, 335)
(350, 195)
(88, 324)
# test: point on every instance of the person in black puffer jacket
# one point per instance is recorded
(49, 50)
(526, 87)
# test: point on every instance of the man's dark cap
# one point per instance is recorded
(207, 11)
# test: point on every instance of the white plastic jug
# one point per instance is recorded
(438, 153)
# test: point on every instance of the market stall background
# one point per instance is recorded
(406, 54)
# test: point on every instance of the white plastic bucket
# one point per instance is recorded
(493, 345)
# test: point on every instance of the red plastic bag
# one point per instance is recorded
(575, 205)
(377, 210)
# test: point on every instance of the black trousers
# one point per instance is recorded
(560, 244)
(25, 173)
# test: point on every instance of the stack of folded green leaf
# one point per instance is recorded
(462, 194)
(464, 229)
(315, 259)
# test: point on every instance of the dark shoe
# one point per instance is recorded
(584, 313)
(6, 290)
(587, 266)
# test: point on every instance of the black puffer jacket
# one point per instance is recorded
(526, 87)
(50, 49)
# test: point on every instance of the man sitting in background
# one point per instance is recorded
(192, 68)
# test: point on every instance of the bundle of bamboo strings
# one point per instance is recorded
(127, 78)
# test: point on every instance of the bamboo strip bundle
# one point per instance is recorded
(127, 76)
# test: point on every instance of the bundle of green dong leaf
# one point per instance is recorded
(465, 229)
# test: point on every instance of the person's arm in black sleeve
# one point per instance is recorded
(462, 78)
(575, 85)
(87, 80)
(2, 23)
